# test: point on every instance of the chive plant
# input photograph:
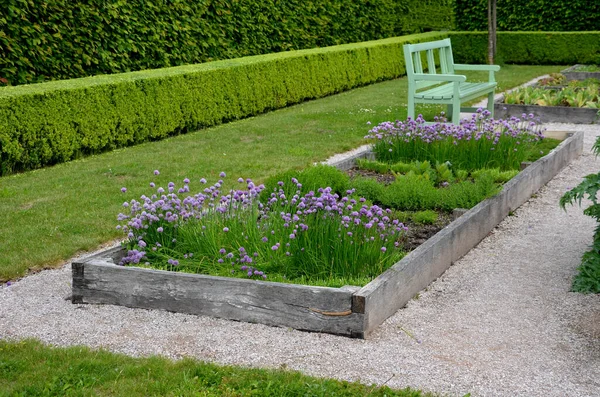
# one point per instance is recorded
(479, 142)
(313, 236)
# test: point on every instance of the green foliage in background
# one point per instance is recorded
(588, 278)
(530, 15)
(44, 40)
(53, 122)
(529, 48)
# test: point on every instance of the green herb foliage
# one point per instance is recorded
(315, 238)
(476, 143)
(427, 217)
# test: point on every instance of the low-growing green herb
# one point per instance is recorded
(427, 217)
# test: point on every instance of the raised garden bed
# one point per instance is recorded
(577, 102)
(349, 311)
(576, 73)
(548, 114)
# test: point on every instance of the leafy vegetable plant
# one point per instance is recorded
(588, 279)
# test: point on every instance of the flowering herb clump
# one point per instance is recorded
(312, 238)
(479, 142)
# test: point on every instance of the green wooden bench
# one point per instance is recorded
(445, 87)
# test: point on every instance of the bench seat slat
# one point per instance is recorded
(446, 91)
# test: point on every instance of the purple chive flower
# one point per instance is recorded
(203, 181)
(222, 175)
(220, 260)
(275, 247)
(142, 243)
(222, 251)
(152, 184)
(264, 239)
(241, 180)
(160, 229)
(383, 249)
(123, 189)
(225, 229)
(156, 172)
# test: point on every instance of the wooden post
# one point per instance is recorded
(491, 31)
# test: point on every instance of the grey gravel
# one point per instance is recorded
(500, 322)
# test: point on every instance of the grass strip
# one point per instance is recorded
(30, 368)
(52, 213)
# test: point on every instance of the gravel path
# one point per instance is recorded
(500, 322)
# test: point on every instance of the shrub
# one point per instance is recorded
(528, 48)
(46, 39)
(530, 15)
(53, 122)
(476, 143)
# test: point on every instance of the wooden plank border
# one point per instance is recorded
(348, 311)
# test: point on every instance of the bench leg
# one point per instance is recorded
(490, 104)
(411, 107)
(455, 112)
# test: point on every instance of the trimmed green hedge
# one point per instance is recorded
(529, 48)
(530, 15)
(43, 40)
(48, 123)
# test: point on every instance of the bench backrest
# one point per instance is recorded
(413, 54)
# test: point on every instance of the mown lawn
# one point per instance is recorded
(28, 368)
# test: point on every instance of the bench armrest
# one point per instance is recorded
(494, 68)
(489, 68)
(440, 77)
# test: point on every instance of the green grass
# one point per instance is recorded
(28, 368)
(50, 214)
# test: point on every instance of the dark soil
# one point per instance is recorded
(417, 233)
(386, 179)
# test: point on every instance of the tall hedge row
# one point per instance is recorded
(529, 48)
(48, 123)
(530, 15)
(44, 40)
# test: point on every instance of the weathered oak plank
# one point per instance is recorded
(394, 288)
(298, 306)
